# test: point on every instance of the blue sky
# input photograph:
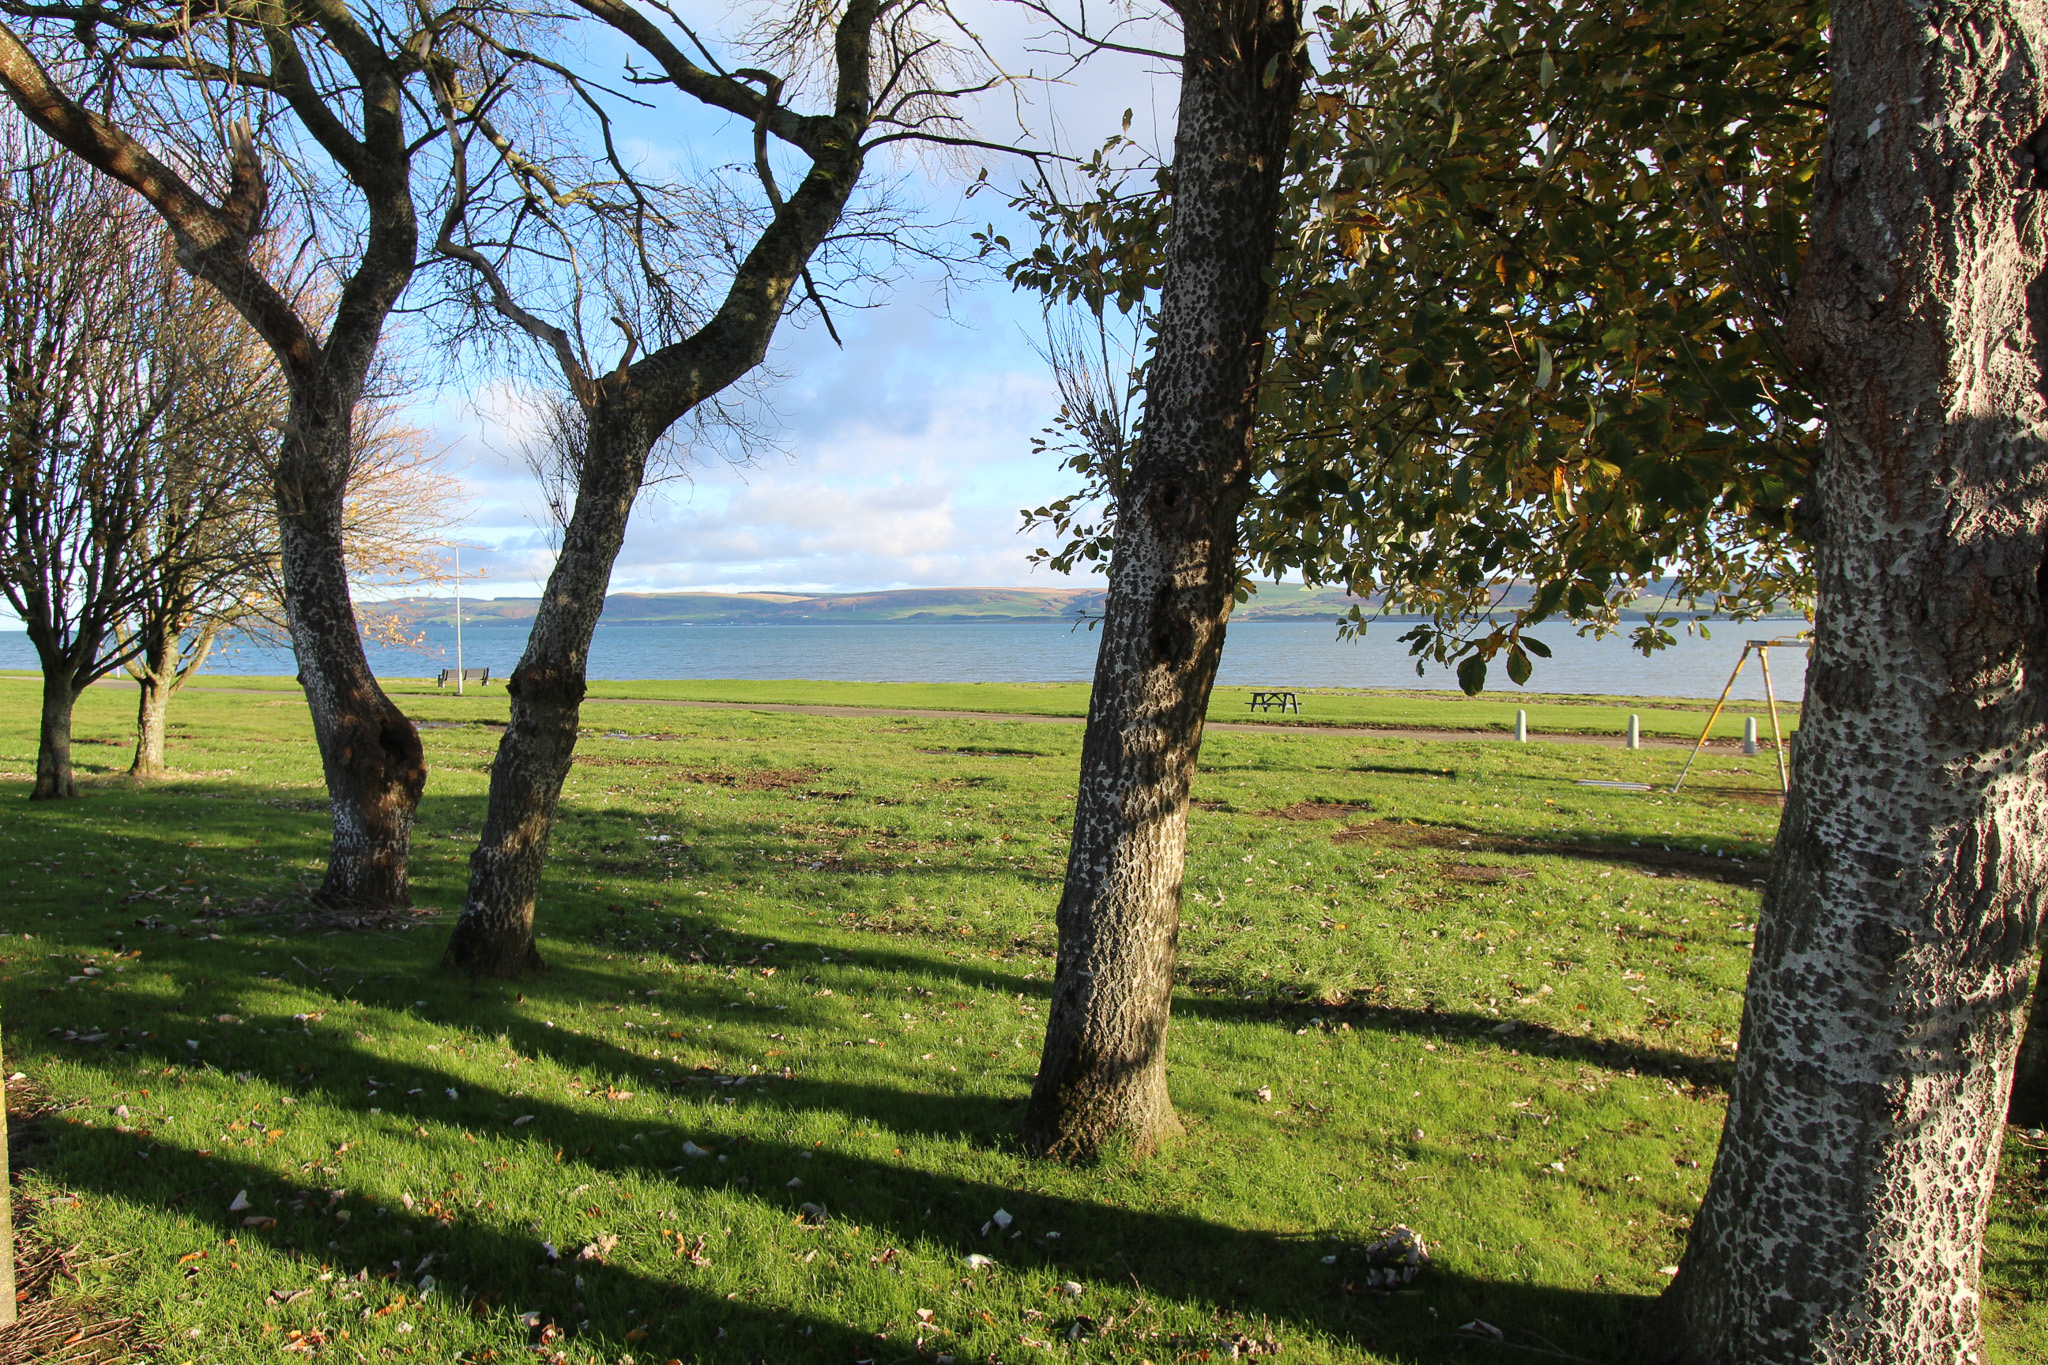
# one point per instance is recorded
(904, 457)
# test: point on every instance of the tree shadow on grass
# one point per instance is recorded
(1193, 1284)
(1655, 861)
(1593, 1050)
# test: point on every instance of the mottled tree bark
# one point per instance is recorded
(2028, 1107)
(624, 413)
(54, 778)
(1846, 1211)
(1102, 1077)
(370, 753)
(7, 1310)
(494, 937)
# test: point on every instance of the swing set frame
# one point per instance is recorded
(1763, 650)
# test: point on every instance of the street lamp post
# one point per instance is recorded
(458, 620)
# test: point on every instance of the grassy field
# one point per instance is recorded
(1675, 718)
(802, 961)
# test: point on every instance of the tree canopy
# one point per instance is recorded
(1526, 331)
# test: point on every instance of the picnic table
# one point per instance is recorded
(469, 675)
(1272, 699)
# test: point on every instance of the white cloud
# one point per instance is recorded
(909, 451)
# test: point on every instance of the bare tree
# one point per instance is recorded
(333, 94)
(397, 514)
(688, 335)
(1845, 1216)
(126, 404)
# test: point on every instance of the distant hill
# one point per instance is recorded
(1272, 602)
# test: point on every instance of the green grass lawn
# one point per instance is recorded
(803, 960)
(1492, 712)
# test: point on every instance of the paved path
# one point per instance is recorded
(1614, 741)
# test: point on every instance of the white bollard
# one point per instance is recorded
(1749, 735)
(1521, 727)
(1635, 732)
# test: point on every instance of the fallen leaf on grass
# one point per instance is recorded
(288, 1295)
(599, 1249)
(241, 1201)
(977, 1261)
(522, 1120)
(191, 1256)
(259, 1221)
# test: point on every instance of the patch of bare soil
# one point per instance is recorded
(1321, 810)
(753, 779)
(1753, 796)
(51, 1329)
(1652, 861)
(336, 918)
(1479, 872)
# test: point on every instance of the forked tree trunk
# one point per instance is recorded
(152, 707)
(2028, 1107)
(54, 778)
(1102, 1078)
(1845, 1215)
(159, 673)
(156, 672)
(369, 752)
(495, 935)
(624, 413)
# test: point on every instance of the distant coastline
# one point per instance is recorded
(906, 606)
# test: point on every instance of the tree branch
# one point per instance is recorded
(209, 240)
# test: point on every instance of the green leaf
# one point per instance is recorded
(1471, 675)
(1536, 647)
(1543, 364)
(1518, 667)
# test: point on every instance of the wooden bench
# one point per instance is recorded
(1268, 701)
(469, 675)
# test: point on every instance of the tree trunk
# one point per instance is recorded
(494, 937)
(54, 779)
(1102, 1077)
(369, 752)
(155, 673)
(7, 1310)
(2028, 1107)
(159, 673)
(1845, 1215)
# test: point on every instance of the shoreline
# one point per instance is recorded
(1384, 713)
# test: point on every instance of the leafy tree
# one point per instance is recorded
(1527, 329)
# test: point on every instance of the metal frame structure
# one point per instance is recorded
(1763, 650)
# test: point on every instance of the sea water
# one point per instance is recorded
(1277, 654)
